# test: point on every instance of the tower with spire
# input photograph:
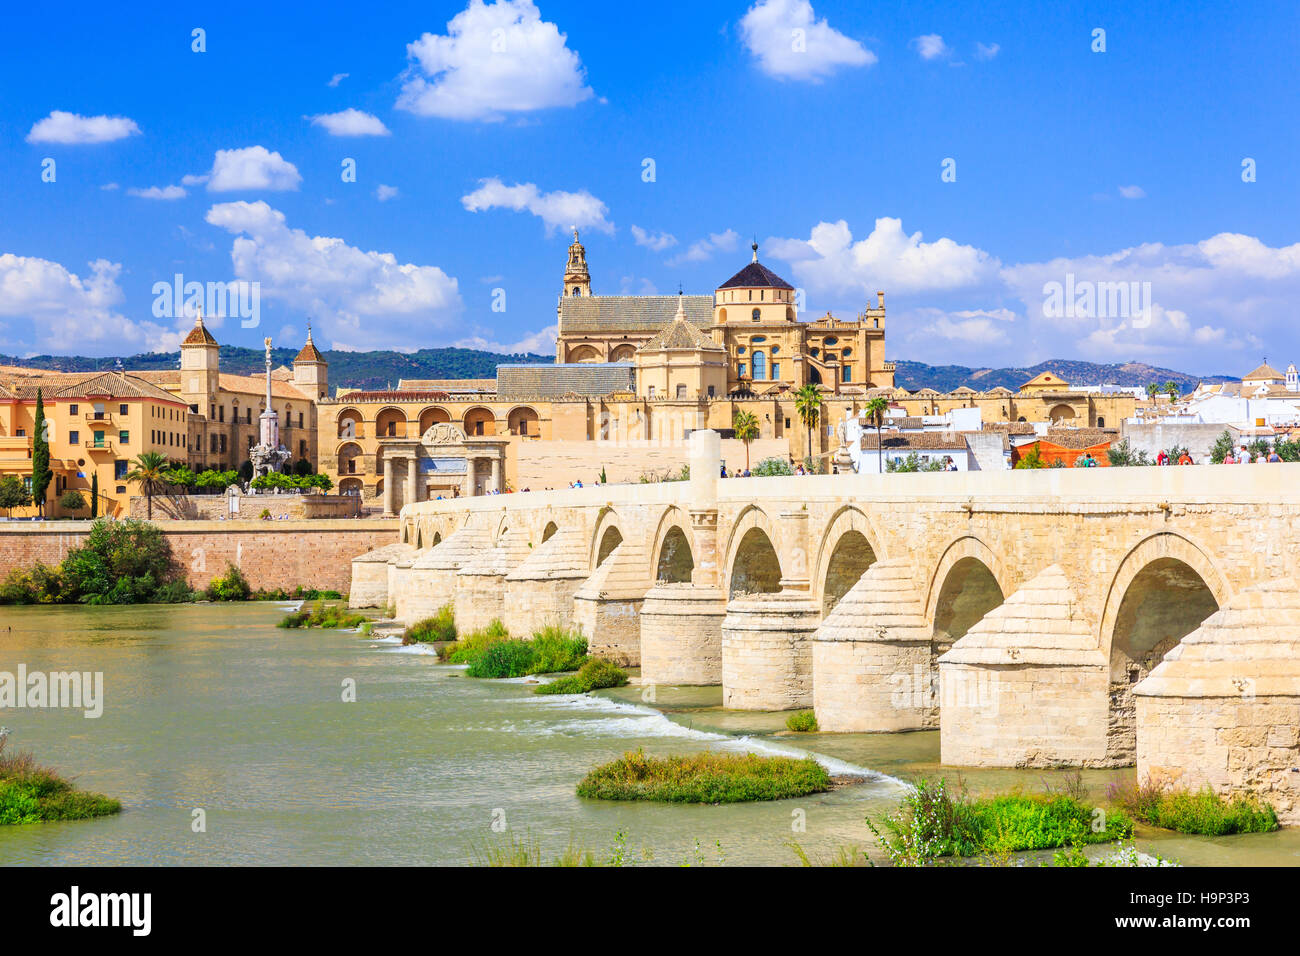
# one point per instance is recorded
(310, 370)
(200, 367)
(577, 280)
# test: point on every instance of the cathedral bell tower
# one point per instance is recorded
(577, 280)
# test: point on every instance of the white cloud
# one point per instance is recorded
(384, 193)
(703, 249)
(1132, 192)
(972, 326)
(496, 59)
(351, 122)
(337, 78)
(556, 209)
(790, 43)
(986, 51)
(931, 46)
(158, 192)
(830, 261)
(541, 342)
(109, 187)
(44, 306)
(73, 129)
(254, 167)
(654, 241)
(357, 299)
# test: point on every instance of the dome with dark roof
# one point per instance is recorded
(199, 335)
(309, 352)
(756, 276)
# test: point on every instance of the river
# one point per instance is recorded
(213, 708)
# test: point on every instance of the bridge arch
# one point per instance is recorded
(608, 536)
(672, 558)
(1165, 587)
(968, 582)
(849, 546)
(550, 529)
(753, 564)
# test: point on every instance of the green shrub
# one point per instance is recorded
(770, 467)
(504, 658)
(323, 615)
(593, 675)
(176, 592)
(802, 721)
(1202, 812)
(468, 648)
(30, 793)
(440, 627)
(120, 562)
(934, 823)
(231, 586)
(704, 778)
(556, 649)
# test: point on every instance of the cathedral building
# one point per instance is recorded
(753, 317)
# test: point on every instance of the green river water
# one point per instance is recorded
(213, 707)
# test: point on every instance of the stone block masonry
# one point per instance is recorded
(271, 554)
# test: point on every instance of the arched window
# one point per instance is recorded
(760, 366)
(1101, 422)
(576, 291)
(756, 314)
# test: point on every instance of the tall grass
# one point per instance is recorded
(440, 627)
(31, 793)
(468, 647)
(704, 778)
(323, 615)
(593, 675)
(1202, 812)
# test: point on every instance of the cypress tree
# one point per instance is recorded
(94, 495)
(41, 474)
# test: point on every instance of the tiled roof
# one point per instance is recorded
(199, 335)
(256, 385)
(630, 313)
(66, 385)
(1264, 371)
(681, 334)
(308, 352)
(576, 378)
(394, 395)
(914, 441)
(1080, 437)
(1010, 428)
(447, 384)
(756, 276)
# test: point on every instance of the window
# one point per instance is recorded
(120, 469)
(760, 366)
(775, 349)
(72, 409)
(776, 369)
(711, 391)
(740, 369)
(846, 352)
(652, 391)
(121, 489)
(757, 339)
(681, 391)
(99, 410)
(22, 432)
(1101, 423)
(740, 350)
(121, 409)
(848, 373)
(74, 437)
(300, 419)
(124, 437)
(99, 439)
(756, 313)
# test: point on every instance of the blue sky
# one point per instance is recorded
(821, 129)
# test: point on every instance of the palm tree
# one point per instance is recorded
(1173, 391)
(745, 425)
(150, 467)
(876, 409)
(808, 403)
(1152, 390)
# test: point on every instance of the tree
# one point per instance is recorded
(1222, 447)
(1034, 459)
(1173, 391)
(1122, 455)
(302, 467)
(94, 495)
(71, 500)
(150, 471)
(41, 474)
(1152, 390)
(808, 403)
(745, 425)
(13, 493)
(246, 471)
(876, 411)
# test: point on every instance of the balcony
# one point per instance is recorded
(105, 417)
(99, 444)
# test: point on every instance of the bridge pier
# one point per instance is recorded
(1026, 686)
(872, 657)
(370, 574)
(681, 634)
(430, 582)
(1223, 707)
(540, 591)
(480, 588)
(607, 607)
(767, 651)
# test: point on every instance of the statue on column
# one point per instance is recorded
(268, 454)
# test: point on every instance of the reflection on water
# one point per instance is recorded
(215, 708)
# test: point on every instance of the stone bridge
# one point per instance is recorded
(1094, 618)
